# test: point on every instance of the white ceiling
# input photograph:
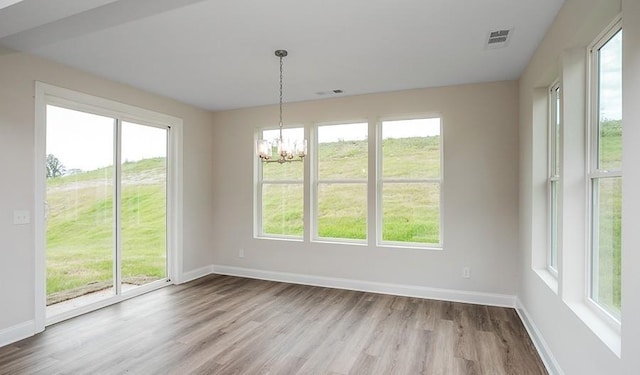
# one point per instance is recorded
(218, 54)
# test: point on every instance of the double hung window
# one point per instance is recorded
(605, 172)
(410, 180)
(341, 181)
(280, 192)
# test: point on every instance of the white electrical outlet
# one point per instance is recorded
(241, 253)
(21, 217)
(466, 272)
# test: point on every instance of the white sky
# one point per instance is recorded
(85, 141)
(611, 79)
(411, 128)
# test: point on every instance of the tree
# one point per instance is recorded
(54, 167)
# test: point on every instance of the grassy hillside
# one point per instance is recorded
(80, 234)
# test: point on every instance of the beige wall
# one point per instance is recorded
(571, 339)
(17, 75)
(480, 192)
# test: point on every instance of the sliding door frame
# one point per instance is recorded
(46, 94)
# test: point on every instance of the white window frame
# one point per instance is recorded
(48, 94)
(380, 183)
(554, 181)
(593, 173)
(259, 183)
(316, 182)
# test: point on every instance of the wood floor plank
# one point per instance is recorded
(465, 340)
(231, 325)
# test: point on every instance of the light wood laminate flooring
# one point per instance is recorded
(231, 325)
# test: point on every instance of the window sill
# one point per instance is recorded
(550, 279)
(604, 330)
(338, 241)
(291, 239)
(389, 245)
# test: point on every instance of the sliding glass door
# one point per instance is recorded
(106, 207)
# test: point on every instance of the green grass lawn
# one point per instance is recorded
(80, 234)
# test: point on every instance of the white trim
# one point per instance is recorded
(280, 237)
(490, 299)
(282, 182)
(79, 101)
(117, 207)
(155, 285)
(48, 94)
(175, 216)
(340, 241)
(314, 188)
(17, 332)
(40, 225)
(605, 329)
(343, 181)
(548, 277)
(605, 174)
(550, 362)
(554, 184)
(196, 274)
(8, 3)
(257, 188)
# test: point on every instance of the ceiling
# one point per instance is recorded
(219, 54)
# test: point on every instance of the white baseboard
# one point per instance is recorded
(374, 287)
(550, 362)
(195, 274)
(17, 332)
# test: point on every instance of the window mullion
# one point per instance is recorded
(411, 180)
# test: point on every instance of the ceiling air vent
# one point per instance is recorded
(499, 38)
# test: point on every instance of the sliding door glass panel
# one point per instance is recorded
(143, 219)
(79, 207)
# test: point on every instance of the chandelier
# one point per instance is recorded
(288, 150)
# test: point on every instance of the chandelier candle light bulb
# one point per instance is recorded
(287, 150)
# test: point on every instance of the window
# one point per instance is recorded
(280, 193)
(555, 147)
(341, 182)
(410, 179)
(605, 171)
